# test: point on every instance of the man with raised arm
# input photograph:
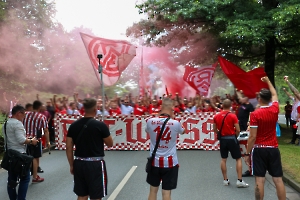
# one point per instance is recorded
(262, 142)
(295, 115)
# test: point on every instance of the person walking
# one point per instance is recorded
(165, 164)
(263, 144)
(228, 141)
(15, 138)
(87, 164)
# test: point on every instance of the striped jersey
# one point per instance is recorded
(165, 156)
(33, 122)
(264, 119)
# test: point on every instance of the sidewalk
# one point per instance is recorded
(290, 187)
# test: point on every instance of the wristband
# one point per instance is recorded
(247, 154)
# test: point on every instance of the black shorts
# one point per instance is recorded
(230, 145)
(90, 178)
(35, 150)
(168, 176)
(264, 159)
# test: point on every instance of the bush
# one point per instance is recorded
(281, 109)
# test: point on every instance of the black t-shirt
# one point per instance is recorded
(244, 111)
(91, 142)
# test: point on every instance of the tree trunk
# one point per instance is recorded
(270, 59)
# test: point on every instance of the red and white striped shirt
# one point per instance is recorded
(165, 156)
(33, 122)
(264, 119)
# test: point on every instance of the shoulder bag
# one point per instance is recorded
(219, 132)
(82, 130)
(151, 158)
(14, 161)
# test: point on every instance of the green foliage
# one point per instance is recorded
(248, 33)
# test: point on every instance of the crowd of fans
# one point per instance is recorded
(128, 105)
(144, 105)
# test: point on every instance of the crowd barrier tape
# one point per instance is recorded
(128, 132)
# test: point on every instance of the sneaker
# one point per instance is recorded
(39, 170)
(246, 173)
(38, 179)
(242, 184)
(226, 182)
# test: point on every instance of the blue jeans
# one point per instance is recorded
(23, 186)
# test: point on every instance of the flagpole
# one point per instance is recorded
(100, 70)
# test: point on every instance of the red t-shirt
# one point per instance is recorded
(264, 119)
(209, 109)
(182, 106)
(176, 110)
(228, 127)
(114, 111)
(139, 110)
(154, 109)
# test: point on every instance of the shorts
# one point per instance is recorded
(168, 176)
(35, 150)
(90, 178)
(230, 145)
(266, 159)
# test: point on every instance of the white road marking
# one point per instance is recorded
(115, 193)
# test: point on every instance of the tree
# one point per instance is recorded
(251, 32)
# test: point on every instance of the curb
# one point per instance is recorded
(287, 178)
(290, 181)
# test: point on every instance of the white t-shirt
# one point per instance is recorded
(126, 110)
(73, 112)
(190, 110)
(165, 156)
(294, 114)
(99, 112)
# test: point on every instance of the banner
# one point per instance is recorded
(249, 82)
(199, 78)
(129, 133)
(117, 54)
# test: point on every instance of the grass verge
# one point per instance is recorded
(290, 154)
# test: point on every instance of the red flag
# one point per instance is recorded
(117, 54)
(250, 82)
(199, 78)
(142, 79)
(167, 92)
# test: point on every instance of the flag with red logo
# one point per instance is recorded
(117, 54)
(199, 78)
(250, 82)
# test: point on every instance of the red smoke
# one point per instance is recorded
(170, 74)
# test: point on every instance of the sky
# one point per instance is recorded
(107, 18)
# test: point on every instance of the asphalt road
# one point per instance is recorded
(199, 178)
